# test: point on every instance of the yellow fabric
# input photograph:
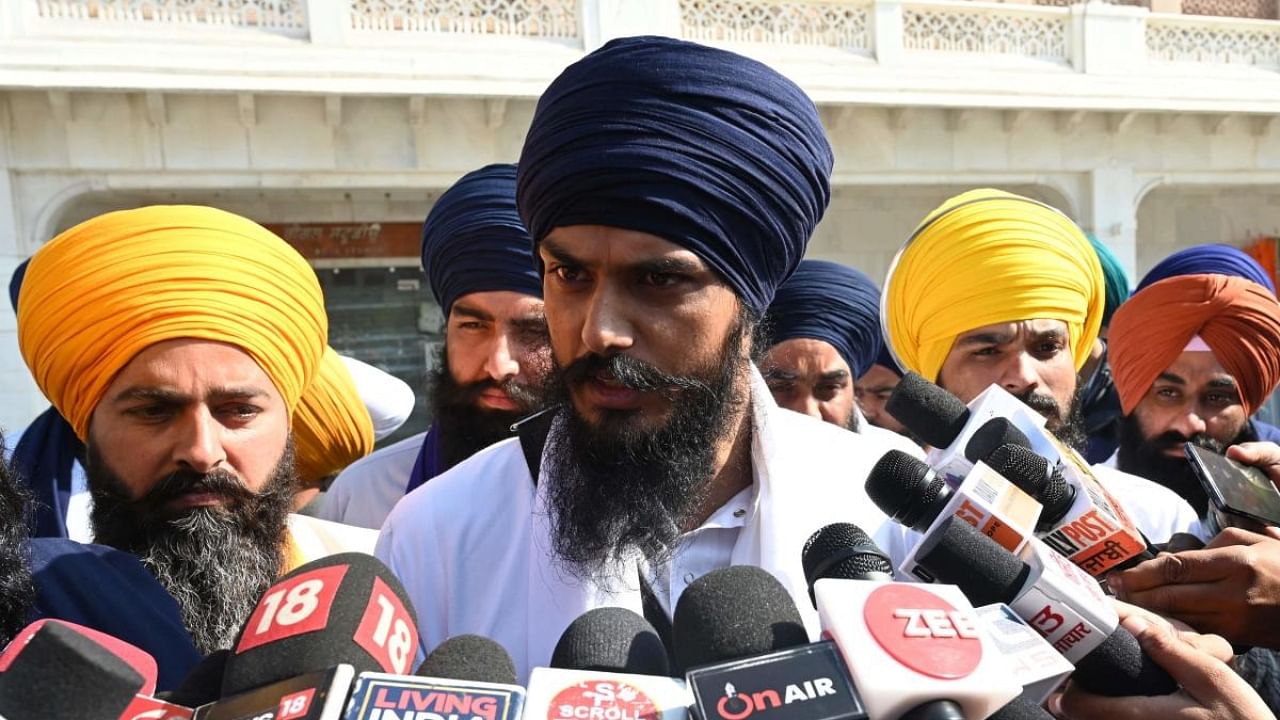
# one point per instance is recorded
(331, 427)
(108, 288)
(986, 257)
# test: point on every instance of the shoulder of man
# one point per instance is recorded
(1157, 511)
(367, 489)
(474, 491)
(110, 590)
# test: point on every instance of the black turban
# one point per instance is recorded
(704, 148)
(833, 303)
(473, 240)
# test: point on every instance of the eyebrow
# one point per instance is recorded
(836, 375)
(1171, 378)
(686, 265)
(471, 312)
(172, 397)
(776, 374)
(1228, 383)
(530, 323)
(986, 339)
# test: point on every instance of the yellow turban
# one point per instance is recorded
(108, 288)
(987, 257)
(331, 427)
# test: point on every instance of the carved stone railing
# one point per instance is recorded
(987, 28)
(828, 23)
(1213, 40)
(274, 15)
(1257, 9)
(531, 18)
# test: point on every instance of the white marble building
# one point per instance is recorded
(1155, 130)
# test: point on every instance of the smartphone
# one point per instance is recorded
(1234, 488)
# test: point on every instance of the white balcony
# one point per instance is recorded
(949, 53)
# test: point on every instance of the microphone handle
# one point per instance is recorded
(935, 710)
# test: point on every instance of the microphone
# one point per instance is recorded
(203, 684)
(845, 551)
(1080, 519)
(469, 657)
(946, 424)
(740, 639)
(467, 677)
(911, 493)
(916, 651)
(1038, 668)
(611, 639)
(57, 672)
(609, 664)
(1057, 600)
(1021, 708)
(308, 636)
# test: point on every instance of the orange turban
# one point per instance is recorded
(108, 288)
(1239, 320)
(331, 427)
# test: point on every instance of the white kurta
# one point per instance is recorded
(364, 493)
(473, 547)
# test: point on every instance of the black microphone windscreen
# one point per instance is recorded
(1034, 475)
(843, 551)
(905, 489)
(1021, 708)
(994, 433)
(470, 657)
(959, 554)
(1119, 668)
(203, 684)
(933, 414)
(346, 608)
(611, 639)
(732, 613)
(63, 675)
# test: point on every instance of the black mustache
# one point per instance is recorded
(182, 482)
(629, 372)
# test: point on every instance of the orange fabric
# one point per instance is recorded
(108, 288)
(1238, 319)
(331, 427)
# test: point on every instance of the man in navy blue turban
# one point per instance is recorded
(824, 333)
(49, 459)
(493, 367)
(669, 189)
(1099, 404)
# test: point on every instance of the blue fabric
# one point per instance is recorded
(473, 239)
(701, 147)
(1114, 278)
(45, 455)
(15, 283)
(427, 465)
(111, 591)
(885, 358)
(1208, 260)
(833, 303)
(1266, 431)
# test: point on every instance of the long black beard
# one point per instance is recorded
(616, 488)
(464, 427)
(17, 591)
(215, 561)
(1144, 458)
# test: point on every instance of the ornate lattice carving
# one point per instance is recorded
(841, 25)
(1035, 34)
(1245, 43)
(270, 14)
(1257, 9)
(538, 18)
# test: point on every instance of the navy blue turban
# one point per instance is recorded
(833, 303)
(46, 454)
(885, 359)
(473, 240)
(701, 147)
(1209, 260)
